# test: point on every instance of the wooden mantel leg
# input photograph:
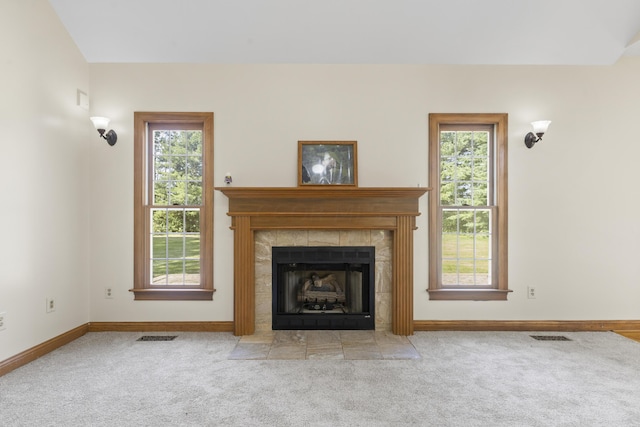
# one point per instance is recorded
(244, 312)
(403, 276)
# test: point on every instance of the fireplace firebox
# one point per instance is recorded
(323, 287)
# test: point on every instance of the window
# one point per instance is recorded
(468, 207)
(173, 206)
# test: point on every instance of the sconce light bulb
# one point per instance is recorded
(540, 127)
(100, 122)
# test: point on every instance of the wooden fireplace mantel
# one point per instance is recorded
(323, 208)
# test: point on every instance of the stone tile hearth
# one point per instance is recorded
(324, 345)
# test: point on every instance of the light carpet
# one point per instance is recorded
(462, 379)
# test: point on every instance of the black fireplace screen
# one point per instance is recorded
(323, 287)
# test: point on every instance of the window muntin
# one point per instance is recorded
(467, 206)
(174, 206)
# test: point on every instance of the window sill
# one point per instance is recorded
(468, 294)
(173, 294)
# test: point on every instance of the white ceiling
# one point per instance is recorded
(578, 32)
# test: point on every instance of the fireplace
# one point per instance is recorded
(323, 287)
(254, 210)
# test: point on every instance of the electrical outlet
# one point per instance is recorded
(3, 321)
(108, 293)
(51, 305)
(531, 292)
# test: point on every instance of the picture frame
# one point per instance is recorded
(327, 163)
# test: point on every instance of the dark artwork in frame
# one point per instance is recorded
(327, 163)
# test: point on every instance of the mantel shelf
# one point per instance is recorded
(315, 192)
(323, 201)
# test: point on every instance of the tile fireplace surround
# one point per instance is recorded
(262, 217)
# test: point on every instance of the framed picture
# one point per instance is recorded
(327, 163)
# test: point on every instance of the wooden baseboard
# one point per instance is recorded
(526, 325)
(40, 350)
(161, 326)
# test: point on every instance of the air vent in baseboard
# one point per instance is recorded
(549, 338)
(157, 338)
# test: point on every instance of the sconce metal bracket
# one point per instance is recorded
(111, 137)
(530, 139)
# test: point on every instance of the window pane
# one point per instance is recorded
(192, 221)
(194, 193)
(161, 142)
(480, 171)
(192, 272)
(194, 142)
(483, 247)
(447, 143)
(447, 169)
(464, 143)
(175, 221)
(463, 193)
(158, 221)
(480, 194)
(177, 167)
(483, 222)
(192, 247)
(480, 143)
(447, 194)
(449, 279)
(463, 169)
(177, 195)
(160, 193)
(450, 248)
(449, 221)
(178, 142)
(483, 272)
(159, 273)
(159, 247)
(161, 167)
(194, 168)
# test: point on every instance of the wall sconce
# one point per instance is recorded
(539, 128)
(101, 124)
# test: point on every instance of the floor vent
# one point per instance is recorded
(549, 338)
(157, 338)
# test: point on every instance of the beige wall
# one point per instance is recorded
(573, 223)
(44, 177)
